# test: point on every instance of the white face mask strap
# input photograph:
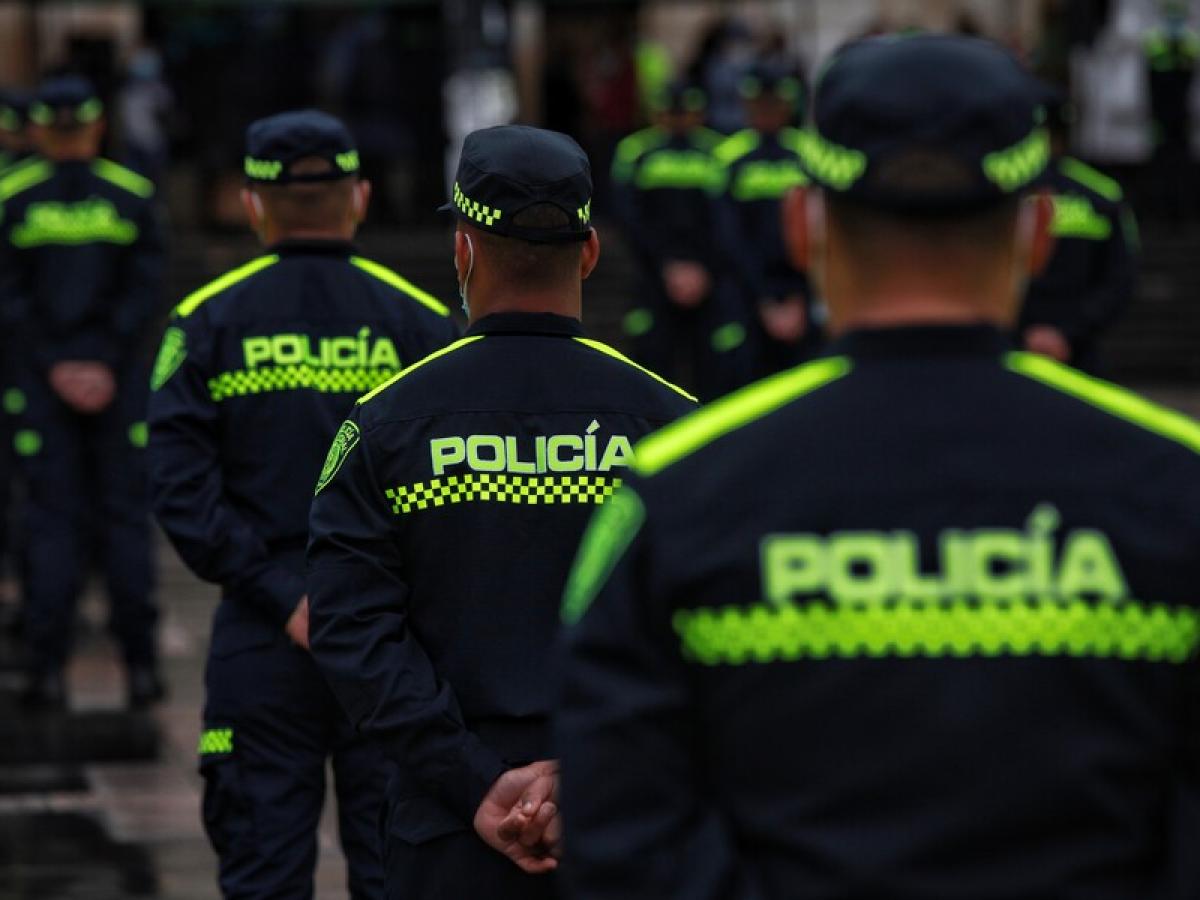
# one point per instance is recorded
(814, 216)
(1023, 237)
(462, 288)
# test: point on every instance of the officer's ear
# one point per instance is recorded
(1039, 208)
(590, 255)
(799, 227)
(361, 200)
(252, 204)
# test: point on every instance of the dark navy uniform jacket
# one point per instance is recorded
(450, 507)
(260, 352)
(918, 620)
(663, 185)
(81, 261)
(1091, 275)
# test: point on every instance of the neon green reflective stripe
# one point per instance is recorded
(736, 146)
(1106, 187)
(615, 354)
(262, 169)
(244, 382)
(457, 345)
(13, 401)
(501, 488)
(1112, 399)
(22, 177)
(193, 301)
(829, 163)
(139, 435)
(632, 148)
(608, 536)
(728, 337)
(637, 322)
(85, 222)
(27, 442)
(215, 740)
(123, 178)
(689, 434)
(1075, 217)
(384, 274)
(1014, 167)
(474, 210)
(739, 635)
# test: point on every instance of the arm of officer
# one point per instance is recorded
(140, 293)
(187, 483)
(638, 820)
(362, 640)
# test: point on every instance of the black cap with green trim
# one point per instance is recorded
(769, 79)
(682, 95)
(925, 124)
(505, 170)
(273, 144)
(65, 101)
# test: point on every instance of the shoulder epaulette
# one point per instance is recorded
(621, 357)
(404, 373)
(406, 287)
(193, 301)
(23, 176)
(124, 178)
(1106, 187)
(736, 146)
(1114, 400)
(737, 410)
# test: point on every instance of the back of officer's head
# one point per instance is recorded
(921, 149)
(522, 197)
(302, 174)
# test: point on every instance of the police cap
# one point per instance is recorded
(767, 78)
(507, 169)
(925, 124)
(65, 101)
(273, 144)
(681, 95)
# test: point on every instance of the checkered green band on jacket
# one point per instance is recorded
(480, 212)
(501, 488)
(244, 382)
(215, 740)
(739, 635)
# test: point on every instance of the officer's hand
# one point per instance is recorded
(533, 788)
(1048, 341)
(297, 624)
(785, 321)
(687, 283)
(85, 386)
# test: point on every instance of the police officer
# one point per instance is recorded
(81, 259)
(916, 619)
(446, 517)
(760, 165)
(255, 372)
(663, 181)
(1089, 280)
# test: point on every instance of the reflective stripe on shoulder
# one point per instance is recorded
(689, 434)
(192, 301)
(386, 275)
(122, 177)
(1116, 401)
(457, 345)
(616, 354)
(1108, 188)
(24, 176)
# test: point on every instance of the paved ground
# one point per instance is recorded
(132, 830)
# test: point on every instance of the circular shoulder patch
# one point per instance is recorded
(170, 357)
(343, 442)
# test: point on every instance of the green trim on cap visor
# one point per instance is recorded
(263, 169)
(830, 164)
(478, 212)
(1014, 167)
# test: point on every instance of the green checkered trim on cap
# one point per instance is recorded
(1014, 167)
(585, 213)
(472, 209)
(828, 163)
(215, 740)
(263, 169)
(501, 488)
(243, 382)
(739, 635)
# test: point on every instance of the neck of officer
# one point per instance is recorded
(273, 234)
(487, 296)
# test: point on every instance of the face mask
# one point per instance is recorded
(462, 286)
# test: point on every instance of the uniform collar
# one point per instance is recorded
(527, 323)
(310, 246)
(922, 341)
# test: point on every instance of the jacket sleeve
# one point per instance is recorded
(638, 819)
(187, 484)
(141, 280)
(640, 235)
(363, 642)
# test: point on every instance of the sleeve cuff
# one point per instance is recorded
(277, 591)
(479, 767)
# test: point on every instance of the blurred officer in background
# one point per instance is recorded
(663, 181)
(917, 619)
(1172, 49)
(760, 165)
(81, 261)
(1091, 276)
(447, 515)
(14, 142)
(256, 371)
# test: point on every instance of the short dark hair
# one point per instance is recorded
(308, 204)
(534, 264)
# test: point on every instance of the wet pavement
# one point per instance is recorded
(73, 828)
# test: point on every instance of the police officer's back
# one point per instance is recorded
(447, 512)
(81, 261)
(914, 620)
(255, 373)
